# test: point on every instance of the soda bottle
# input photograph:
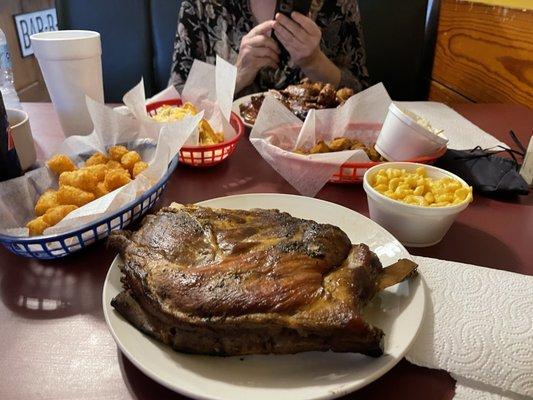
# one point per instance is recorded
(9, 160)
(7, 84)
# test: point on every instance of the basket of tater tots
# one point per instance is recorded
(208, 92)
(331, 145)
(90, 186)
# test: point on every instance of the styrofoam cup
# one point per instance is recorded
(402, 138)
(19, 125)
(72, 68)
(414, 226)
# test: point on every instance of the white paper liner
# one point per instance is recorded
(277, 132)
(156, 146)
(209, 88)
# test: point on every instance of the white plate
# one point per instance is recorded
(313, 375)
(245, 99)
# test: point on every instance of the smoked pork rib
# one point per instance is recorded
(234, 282)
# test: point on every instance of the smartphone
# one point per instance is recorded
(286, 7)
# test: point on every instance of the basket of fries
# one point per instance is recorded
(53, 246)
(214, 147)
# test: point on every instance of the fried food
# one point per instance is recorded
(96, 158)
(60, 163)
(56, 214)
(37, 226)
(99, 170)
(116, 152)
(129, 159)
(320, 147)
(341, 144)
(101, 174)
(100, 190)
(139, 167)
(46, 201)
(115, 179)
(167, 113)
(67, 195)
(344, 94)
(83, 179)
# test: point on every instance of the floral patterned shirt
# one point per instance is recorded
(210, 27)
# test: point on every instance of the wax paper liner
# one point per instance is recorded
(277, 132)
(157, 147)
(209, 88)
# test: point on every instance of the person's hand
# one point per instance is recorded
(257, 50)
(300, 36)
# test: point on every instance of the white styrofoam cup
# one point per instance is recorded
(19, 125)
(72, 68)
(402, 138)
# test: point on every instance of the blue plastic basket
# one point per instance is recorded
(55, 246)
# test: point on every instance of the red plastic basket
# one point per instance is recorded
(354, 172)
(204, 156)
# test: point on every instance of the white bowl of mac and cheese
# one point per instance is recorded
(417, 203)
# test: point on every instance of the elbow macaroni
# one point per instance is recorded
(416, 188)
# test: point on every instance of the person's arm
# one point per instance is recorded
(188, 44)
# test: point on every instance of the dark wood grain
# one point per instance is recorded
(485, 53)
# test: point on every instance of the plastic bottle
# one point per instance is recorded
(7, 85)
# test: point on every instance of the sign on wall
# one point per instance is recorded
(34, 22)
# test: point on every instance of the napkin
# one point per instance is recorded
(462, 134)
(277, 132)
(479, 327)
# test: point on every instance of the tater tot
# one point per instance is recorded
(112, 164)
(100, 190)
(139, 167)
(115, 179)
(116, 152)
(83, 179)
(67, 195)
(37, 226)
(99, 170)
(60, 163)
(56, 214)
(95, 159)
(129, 159)
(47, 200)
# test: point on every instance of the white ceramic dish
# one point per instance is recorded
(245, 99)
(414, 226)
(399, 311)
(402, 138)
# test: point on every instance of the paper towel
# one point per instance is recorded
(478, 327)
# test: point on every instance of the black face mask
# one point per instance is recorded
(485, 171)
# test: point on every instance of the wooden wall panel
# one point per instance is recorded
(485, 53)
(28, 79)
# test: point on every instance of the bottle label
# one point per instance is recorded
(5, 59)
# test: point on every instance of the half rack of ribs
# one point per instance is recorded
(234, 282)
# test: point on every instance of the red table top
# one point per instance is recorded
(54, 343)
